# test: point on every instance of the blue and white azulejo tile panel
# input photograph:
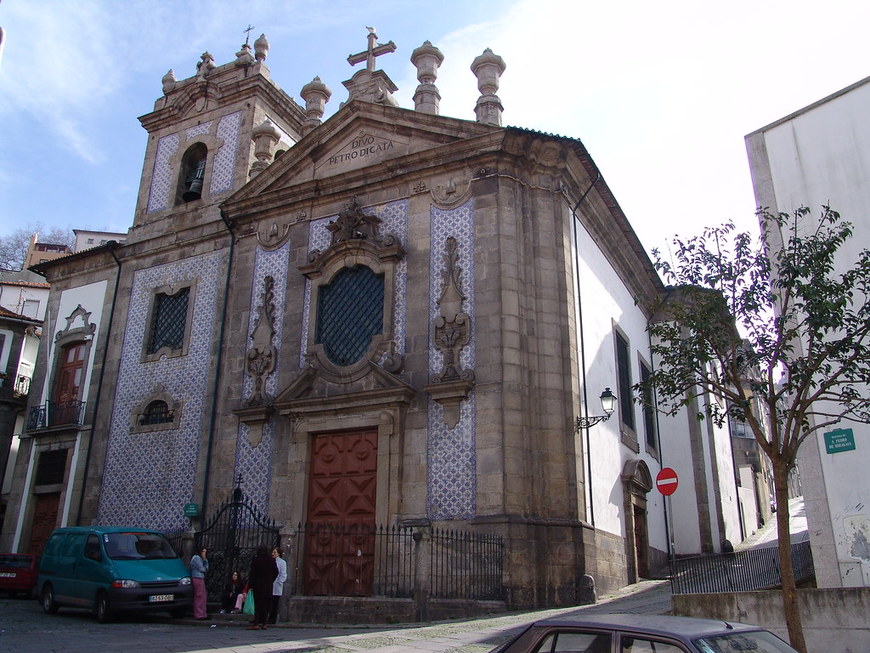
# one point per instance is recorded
(149, 477)
(452, 457)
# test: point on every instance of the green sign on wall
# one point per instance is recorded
(191, 509)
(839, 440)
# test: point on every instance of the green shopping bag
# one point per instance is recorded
(248, 606)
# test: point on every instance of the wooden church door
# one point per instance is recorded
(340, 542)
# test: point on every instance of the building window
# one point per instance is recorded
(70, 373)
(51, 468)
(649, 416)
(350, 312)
(623, 371)
(30, 308)
(168, 321)
(192, 174)
(157, 412)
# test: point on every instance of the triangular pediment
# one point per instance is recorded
(358, 136)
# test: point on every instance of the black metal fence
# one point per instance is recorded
(741, 571)
(232, 536)
(392, 562)
(354, 560)
(466, 565)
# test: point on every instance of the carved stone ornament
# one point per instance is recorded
(354, 224)
(272, 236)
(452, 332)
(260, 358)
(452, 192)
(78, 322)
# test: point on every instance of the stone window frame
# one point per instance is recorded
(169, 289)
(625, 403)
(72, 336)
(648, 413)
(159, 394)
(381, 261)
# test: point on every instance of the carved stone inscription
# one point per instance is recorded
(364, 149)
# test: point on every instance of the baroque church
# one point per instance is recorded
(389, 319)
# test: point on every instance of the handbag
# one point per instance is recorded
(248, 607)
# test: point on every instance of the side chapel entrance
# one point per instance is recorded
(342, 488)
(636, 484)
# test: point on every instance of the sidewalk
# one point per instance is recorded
(766, 535)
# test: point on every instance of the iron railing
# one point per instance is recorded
(56, 413)
(356, 560)
(741, 571)
(466, 565)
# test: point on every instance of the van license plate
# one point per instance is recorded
(154, 598)
(7, 574)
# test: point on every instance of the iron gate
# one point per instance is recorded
(231, 538)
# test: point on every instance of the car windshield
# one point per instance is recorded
(17, 562)
(757, 641)
(137, 546)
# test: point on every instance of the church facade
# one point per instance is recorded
(390, 317)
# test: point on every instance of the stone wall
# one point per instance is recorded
(834, 620)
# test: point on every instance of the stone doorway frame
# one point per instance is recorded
(636, 484)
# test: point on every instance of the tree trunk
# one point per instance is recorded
(789, 587)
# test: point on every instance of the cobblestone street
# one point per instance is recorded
(25, 629)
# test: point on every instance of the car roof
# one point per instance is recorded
(105, 529)
(688, 627)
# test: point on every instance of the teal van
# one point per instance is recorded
(112, 569)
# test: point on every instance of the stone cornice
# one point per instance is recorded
(178, 103)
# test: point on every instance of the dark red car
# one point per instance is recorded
(18, 573)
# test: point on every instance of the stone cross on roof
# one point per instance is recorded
(374, 49)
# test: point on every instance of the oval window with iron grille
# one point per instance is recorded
(350, 311)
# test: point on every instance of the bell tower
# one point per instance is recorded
(208, 135)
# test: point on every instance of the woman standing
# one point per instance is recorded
(198, 570)
(278, 584)
(263, 573)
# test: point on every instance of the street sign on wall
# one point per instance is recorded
(667, 481)
(839, 440)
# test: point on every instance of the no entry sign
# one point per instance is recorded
(667, 481)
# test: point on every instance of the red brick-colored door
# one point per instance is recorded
(44, 520)
(342, 488)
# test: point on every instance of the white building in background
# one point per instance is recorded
(86, 239)
(821, 155)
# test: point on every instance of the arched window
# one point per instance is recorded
(190, 181)
(157, 412)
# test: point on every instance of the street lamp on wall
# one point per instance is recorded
(608, 404)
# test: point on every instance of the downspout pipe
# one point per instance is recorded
(583, 344)
(112, 245)
(218, 368)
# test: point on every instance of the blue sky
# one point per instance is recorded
(661, 94)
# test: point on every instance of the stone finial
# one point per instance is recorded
(488, 68)
(427, 58)
(204, 67)
(169, 81)
(244, 56)
(265, 137)
(316, 94)
(261, 48)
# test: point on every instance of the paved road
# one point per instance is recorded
(25, 629)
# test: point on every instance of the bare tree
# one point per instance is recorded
(13, 246)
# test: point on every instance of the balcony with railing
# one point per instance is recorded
(54, 414)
